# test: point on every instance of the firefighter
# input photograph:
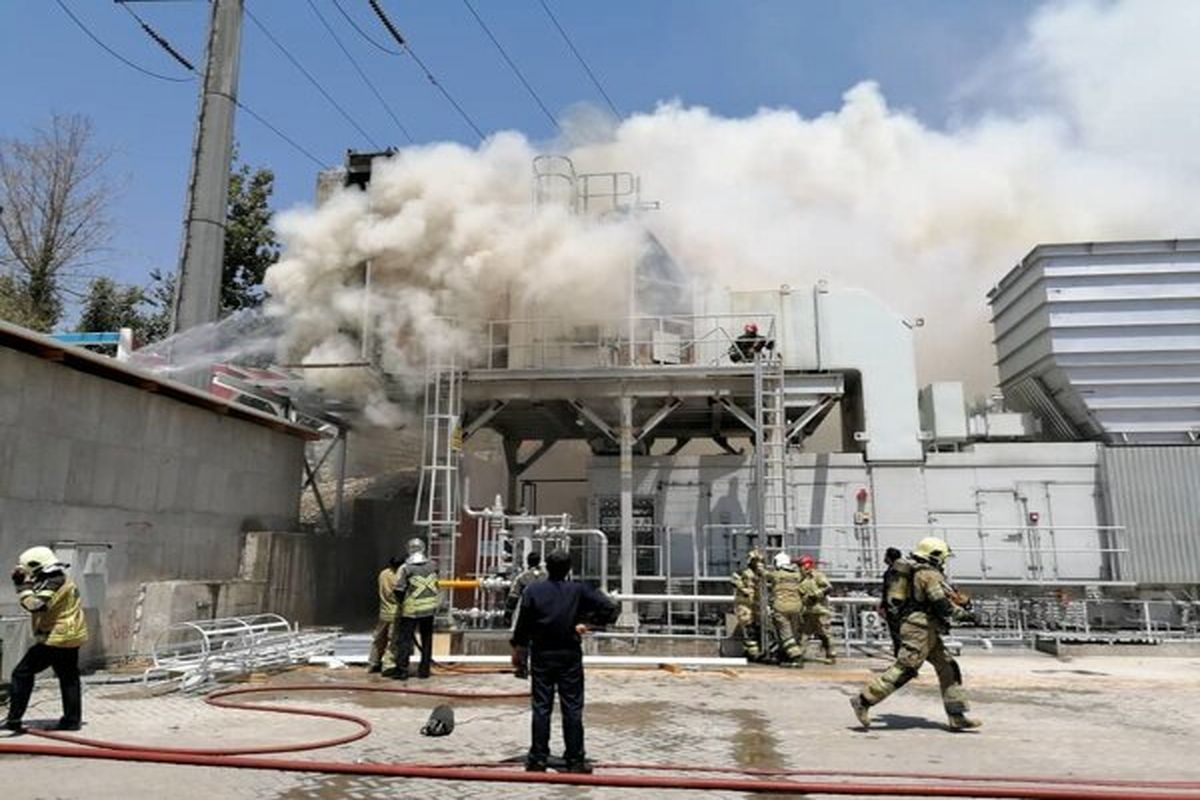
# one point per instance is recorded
(749, 344)
(417, 600)
(532, 573)
(59, 630)
(814, 589)
(925, 616)
(380, 652)
(747, 599)
(787, 607)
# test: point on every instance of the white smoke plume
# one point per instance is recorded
(1084, 131)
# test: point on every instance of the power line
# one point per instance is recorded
(311, 79)
(579, 56)
(360, 72)
(114, 53)
(159, 40)
(395, 34)
(262, 121)
(363, 33)
(162, 42)
(511, 65)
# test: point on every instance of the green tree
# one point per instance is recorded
(250, 245)
(159, 295)
(109, 307)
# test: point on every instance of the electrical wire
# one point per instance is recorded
(400, 40)
(511, 64)
(360, 72)
(162, 42)
(78, 22)
(363, 33)
(287, 54)
(579, 56)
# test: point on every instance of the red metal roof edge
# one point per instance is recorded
(26, 341)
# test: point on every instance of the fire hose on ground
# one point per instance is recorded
(622, 774)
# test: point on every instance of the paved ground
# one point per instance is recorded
(1122, 717)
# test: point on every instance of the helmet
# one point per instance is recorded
(782, 560)
(750, 327)
(441, 722)
(416, 551)
(40, 559)
(806, 562)
(932, 550)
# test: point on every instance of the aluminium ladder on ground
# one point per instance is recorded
(438, 498)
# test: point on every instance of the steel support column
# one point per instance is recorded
(628, 562)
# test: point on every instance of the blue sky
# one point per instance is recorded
(732, 57)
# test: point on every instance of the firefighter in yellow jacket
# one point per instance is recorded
(787, 607)
(928, 607)
(814, 589)
(417, 597)
(380, 656)
(59, 629)
(747, 598)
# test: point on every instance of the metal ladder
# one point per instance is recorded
(770, 442)
(438, 502)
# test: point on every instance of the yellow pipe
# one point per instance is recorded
(458, 583)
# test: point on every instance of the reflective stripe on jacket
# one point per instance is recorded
(387, 594)
(56, 611)
(417, 584)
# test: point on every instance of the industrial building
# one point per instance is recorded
(1070, 502)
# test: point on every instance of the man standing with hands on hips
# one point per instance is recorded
(552, 616)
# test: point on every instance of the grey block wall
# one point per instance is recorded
(171, 486)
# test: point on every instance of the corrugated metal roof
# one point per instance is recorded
(24, 340)
(1155, 493)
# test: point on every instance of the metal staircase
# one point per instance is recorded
(438, 501)
(770, 416)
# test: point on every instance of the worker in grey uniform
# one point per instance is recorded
(533, 572)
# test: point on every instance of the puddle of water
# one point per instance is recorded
(753, 743)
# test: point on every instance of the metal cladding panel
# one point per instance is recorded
(1155, 493)
(1102, 341)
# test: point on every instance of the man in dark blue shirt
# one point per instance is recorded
(552, 615)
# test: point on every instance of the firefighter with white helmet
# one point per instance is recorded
(928, 604)
(416, 593)
(787, 607)
(59, 629)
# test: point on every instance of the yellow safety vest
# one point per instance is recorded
(57, 614)
(420, 589)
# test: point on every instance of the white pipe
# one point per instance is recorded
(601, 535)
(727, 598)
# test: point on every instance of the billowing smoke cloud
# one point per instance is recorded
(1086, 132)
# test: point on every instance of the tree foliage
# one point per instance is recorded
(109, 307)
(54, 200)
(250, 245)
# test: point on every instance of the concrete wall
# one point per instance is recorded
(169, 485)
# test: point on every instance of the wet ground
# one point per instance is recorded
(1115, 717)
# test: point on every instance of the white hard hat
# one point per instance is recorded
(39, 559)
(782, 560)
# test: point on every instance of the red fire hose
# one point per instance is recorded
(765, 781)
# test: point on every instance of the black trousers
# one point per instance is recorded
(65, 663)
(561, 670)
(402, 641)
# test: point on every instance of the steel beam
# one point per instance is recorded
(738, 412)
(597, 420)
(657, 417)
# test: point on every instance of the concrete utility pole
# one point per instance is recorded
(198, 284)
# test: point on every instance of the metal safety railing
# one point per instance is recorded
(849, 552)
(634, 341)
(198, 652)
